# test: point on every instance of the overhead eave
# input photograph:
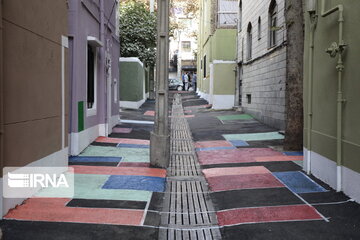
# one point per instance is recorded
(94, 42)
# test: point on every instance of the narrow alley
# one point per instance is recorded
(240, 184)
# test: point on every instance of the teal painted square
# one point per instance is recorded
(89, 186)
(254, 136)
(128, 154)
(235, 117)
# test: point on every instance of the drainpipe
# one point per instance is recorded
(102, 62)
(1, 94)
(337, 49)
(313, 23)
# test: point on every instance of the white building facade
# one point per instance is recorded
(183, 43)
(262, 60)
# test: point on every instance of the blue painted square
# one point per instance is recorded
(74, 159)
(214, 148)
(239, 143)
(298, 182)
(153, 184)
(294, 153)
(126, 145)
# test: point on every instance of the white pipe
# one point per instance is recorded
(338, 178)
(313, 23)
(340, 100)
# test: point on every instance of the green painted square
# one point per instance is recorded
(128, 154)
(235, 117)
(81, 116)
(254, 136)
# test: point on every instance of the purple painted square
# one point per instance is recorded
(239, 143)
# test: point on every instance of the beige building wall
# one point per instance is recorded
(35, 83)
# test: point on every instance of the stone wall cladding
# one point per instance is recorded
(264, 75)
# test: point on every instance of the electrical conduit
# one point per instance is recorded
(313, 20)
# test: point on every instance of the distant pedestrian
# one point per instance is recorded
(183, 79)
(186, 81)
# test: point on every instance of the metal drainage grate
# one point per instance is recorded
(188, 212)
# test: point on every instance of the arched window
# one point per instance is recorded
(249, 41)
(259, 28)
(273, 11)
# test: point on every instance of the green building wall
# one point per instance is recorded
(325, 88)
(224, 44)
(219, 47)
(132, 77)
(224, 79)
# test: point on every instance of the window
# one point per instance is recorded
(115, 91)
(272, 23)
(249, 42)
(240, 16)
(227, 13)
(204, 66)
(248, 97)
(259, 28)
(186, 46)
(91, 76)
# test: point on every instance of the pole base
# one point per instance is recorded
(159, 150)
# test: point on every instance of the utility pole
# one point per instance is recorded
(160, 138)
(179, 57)
(151, 68)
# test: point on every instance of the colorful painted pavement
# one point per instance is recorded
(260, 191)
(95, 182)
(114, 186)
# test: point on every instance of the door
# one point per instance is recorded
(211, 92)
(240, 76)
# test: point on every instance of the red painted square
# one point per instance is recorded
(149, 113)
(122, 130)
(250, 181)
(231, 171)
(122, 140)
(135, 171)
(54, 210)
(211, 144)
(267, 214)
(234, 155)
(279, 158)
